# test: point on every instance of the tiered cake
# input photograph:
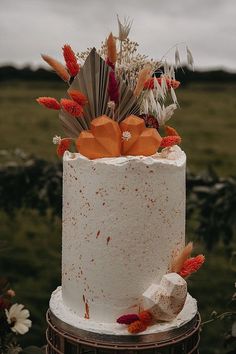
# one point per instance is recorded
(124, 257)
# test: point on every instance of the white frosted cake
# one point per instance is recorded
(124, 258)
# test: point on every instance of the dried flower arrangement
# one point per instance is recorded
(117, 82)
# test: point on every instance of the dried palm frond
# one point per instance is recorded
(179, 260)
(57, 67)
(92, 81)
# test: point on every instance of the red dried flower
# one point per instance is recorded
(137, 327)
(149, 84)
(191, 265)
(78, 97)
(170, 131)
(71, 60)
(63, 146)
(108, 62)
(128, 319)
(49, 102)
(168, 141)
(145, 317)
(113, 88)
(72, 107)
(150, 121)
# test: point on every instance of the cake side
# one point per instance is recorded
(123, 220)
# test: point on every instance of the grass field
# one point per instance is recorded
(31, 257)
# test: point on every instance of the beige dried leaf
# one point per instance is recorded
(111, 49)
(179, 260)
(143, 76)
(57, 67)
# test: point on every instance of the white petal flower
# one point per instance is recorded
(56, 140)
(17, 317)
(126, 135)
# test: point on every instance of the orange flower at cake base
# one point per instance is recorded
(137, 139)
(137, 327)
(192, 265)
(103, 140)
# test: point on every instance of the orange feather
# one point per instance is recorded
(179, 260)
(57, 67)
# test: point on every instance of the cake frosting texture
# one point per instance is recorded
(123, 220)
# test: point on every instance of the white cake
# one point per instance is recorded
(122, 220)
(124, 258)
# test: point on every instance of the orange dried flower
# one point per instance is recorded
(49, 102)
(137, 327)
(78, 97)
(111, 49)
(57, 67)
(145, 317)
(168, 141)
(170, 131)
(71, 60)
(63, 146)
(149, 84)
(72, 107)
(192, 265)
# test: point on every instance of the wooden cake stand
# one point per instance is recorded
(65, 339)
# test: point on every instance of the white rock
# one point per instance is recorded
(166, 300)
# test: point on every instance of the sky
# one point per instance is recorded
(31, 27)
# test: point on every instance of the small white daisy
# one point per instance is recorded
(126, 135)
(18, 319)
(56, 140)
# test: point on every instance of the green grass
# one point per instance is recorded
(31, 258)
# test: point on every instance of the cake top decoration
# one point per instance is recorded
(118, 100)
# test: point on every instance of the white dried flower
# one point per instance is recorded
(165, 113)
(173, 95)
(177, 57)
(124, 28)
(111, 105)
(56, 140)
(126, 135)
(18, 318)
(190, 58)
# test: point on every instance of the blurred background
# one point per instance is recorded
(30, 172)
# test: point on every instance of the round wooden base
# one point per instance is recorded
(64, 339)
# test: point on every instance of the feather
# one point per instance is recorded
(179, 260)
(143, 76)
(111, 49)
(57, 67)
(190, 58)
